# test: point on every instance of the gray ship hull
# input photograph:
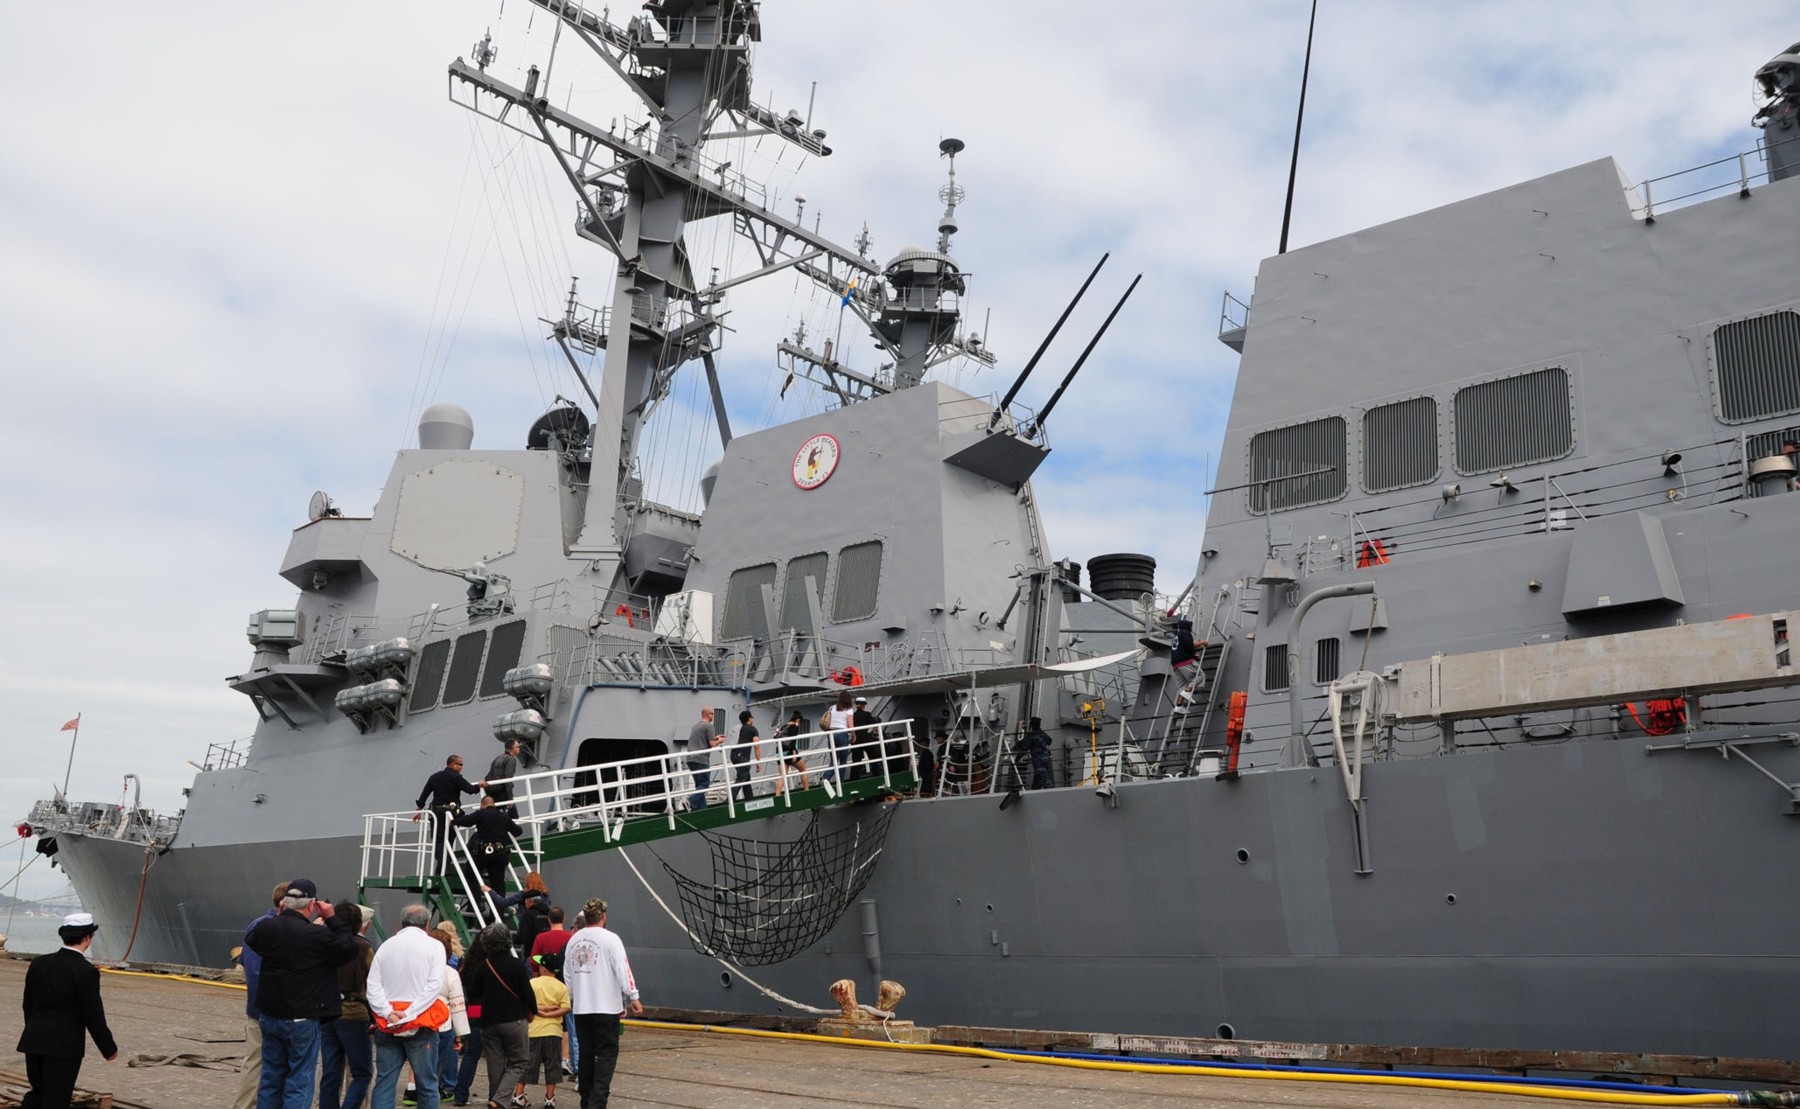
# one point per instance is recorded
(1499, 911)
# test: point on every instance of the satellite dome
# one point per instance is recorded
(446, 427)
(708, 480)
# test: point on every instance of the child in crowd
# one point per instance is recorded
(544, 1061)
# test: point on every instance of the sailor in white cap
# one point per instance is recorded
(62, 1008)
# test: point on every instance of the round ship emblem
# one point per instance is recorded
(815, 461)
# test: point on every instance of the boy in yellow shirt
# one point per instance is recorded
(546, 1032)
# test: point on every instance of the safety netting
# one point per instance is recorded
(768, 901)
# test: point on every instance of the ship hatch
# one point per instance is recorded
(596, 758)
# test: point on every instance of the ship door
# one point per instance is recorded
(598, 772)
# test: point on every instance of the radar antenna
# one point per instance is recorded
(483, 52)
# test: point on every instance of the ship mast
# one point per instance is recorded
(640, 182)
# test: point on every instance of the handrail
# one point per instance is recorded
(1736, 176)
(396, 847)
(658, 785)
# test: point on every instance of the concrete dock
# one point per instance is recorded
(162, 1018)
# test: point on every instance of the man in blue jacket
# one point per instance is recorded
(250, 1077)
(296, 989)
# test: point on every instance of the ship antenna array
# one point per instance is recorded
(1044, 414)
(951, 194)
(1045, 345)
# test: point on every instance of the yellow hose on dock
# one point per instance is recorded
(1364, 1077)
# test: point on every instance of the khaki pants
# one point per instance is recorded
(251, 1074)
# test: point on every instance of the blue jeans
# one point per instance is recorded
(471, 1058)
(447, 1060)
(344, 1041)
(574, 1040)
(290, 1063)
(392, 1053)
(702, 779)
(840, 750)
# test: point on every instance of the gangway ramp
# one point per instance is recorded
(574, 811)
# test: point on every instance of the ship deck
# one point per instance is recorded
(155, 1016)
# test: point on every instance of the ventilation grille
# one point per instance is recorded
(1514, 421)
(1400, 444)
(1275, 672)
(858, 581)
(1299, 449)
(1756, 367)
(1326, 664)
(742, 591)
(795, 612)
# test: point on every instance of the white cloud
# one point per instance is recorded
(241, 246)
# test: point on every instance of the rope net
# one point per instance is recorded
(769, 901)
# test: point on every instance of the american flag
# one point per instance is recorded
(71, 725)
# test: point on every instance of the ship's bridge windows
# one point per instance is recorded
(429, 678)
(805, 578)
(1400, 444)
(503, 655)
(858, 581)
(1514, 421)
(1275, 668)
(744, 589)
(465, 666)
(1755, 366)
(1315, 450)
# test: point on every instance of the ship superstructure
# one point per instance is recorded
(1475, 728)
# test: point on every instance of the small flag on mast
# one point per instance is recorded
(849, 291)
(71, 725)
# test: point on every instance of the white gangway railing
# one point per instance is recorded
(401, 846)
(607, 794)
(397, 846)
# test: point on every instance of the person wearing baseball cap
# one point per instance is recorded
(601, 991)
(297, 989)
(62, 1002)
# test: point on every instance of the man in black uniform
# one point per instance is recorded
(62, 1008)
(492, 842)
(444, 791)
(864, 740)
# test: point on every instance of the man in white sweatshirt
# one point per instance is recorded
(601, 990)
(404, 987)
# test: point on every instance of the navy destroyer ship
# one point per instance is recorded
(1475, 725)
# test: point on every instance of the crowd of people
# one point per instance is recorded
(415, 1019)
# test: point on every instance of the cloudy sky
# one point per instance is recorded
(241, 246)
